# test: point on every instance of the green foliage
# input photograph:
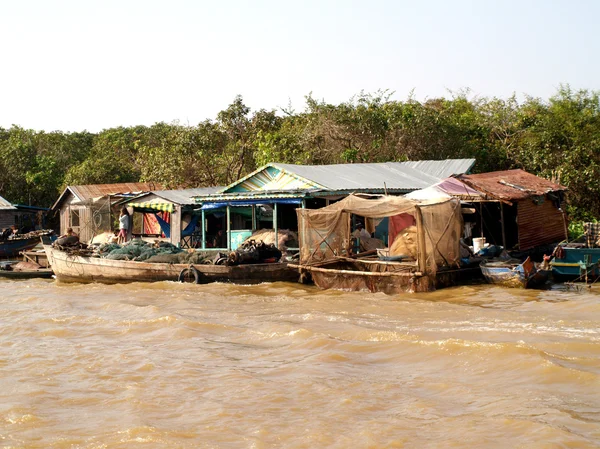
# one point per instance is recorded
(575, 229)
(558, 139)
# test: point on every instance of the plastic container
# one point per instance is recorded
(478, 243)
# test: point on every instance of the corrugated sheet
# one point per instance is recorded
(399, 177)
(184, 197)
(510, 185)
(97, 190)
(539, 224)
(257, 195)
(444, 168)
(6, 205)
(85, 192)
(388, 175)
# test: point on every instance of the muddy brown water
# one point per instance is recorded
(170, 365)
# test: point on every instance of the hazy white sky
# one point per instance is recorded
(71, 65)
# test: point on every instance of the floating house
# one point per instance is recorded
(268, 197)
(421, 256)
(88, 209)
(517, 209)
(170, 214)
(22, 216)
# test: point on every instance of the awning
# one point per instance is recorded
(246, 203)
(152, 207)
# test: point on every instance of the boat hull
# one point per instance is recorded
(375, 277)
(575, 263)
(44, 273)
(71, 268)
(515, 276)
(12, 248)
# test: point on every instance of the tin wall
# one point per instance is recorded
(539, 224)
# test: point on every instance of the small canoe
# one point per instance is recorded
(510, 273)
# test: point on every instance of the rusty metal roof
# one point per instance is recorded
(510, 185)
(86, 192)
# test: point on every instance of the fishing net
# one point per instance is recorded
(325, 233)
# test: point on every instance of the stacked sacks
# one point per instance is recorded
(405, 243)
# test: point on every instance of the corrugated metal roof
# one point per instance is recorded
(96, 190)
(442, 168)
(254, 195)
(510, 185)
(184, 197)
(86, 192)
(6, 205)
(388, 175)
(399, 177)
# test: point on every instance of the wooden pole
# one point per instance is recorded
(109, 215)
(203, 229)
(421, 246)
(275, 225)
(502, 222)
(228, 227)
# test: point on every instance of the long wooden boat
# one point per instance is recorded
(514, 274)
(74, 268)
(575, 261)
(12, 247)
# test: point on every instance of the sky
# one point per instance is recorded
(74, 65)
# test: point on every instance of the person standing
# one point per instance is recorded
(123, 225)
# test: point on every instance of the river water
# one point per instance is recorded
(170, 365)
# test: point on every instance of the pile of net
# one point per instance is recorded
(141, 251)
(287, 238)
(252, 251)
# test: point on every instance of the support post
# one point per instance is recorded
(203, 229)
(421, 246)
(253, 217)
(228, 227)
(276, 225)
(502, 222)
(176, 226)
(110, 224)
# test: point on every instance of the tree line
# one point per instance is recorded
(557, 138)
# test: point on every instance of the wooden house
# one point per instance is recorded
(169, 213)
(88, 209)
(22, 216)
(518, 210)
(269, 196)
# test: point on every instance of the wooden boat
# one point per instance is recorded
(511, 273)
(14, 269)
(365, 275)
(12, 247)
(575, 262)
(73, 268)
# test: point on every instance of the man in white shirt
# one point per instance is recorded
(360, 232)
